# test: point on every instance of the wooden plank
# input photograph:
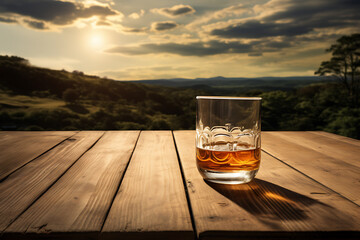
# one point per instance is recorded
(338, 137)
(302, 202)
(330, 171)
(151, 201)
(18, 148)
(279, 203)
(79, 201)
(24, 186)
(331, 147)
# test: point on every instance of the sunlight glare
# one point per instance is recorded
(96, 41)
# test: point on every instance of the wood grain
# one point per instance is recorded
(151, 201)
(18, 148)
(331, 147)
(338, 137)
(79, 201)
(277, 204)
(331, 171)
(24, 186)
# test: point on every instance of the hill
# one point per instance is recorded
(33, 98)
(222, 85)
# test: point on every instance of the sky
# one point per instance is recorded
(142, 39)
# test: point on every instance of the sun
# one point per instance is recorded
(96, 41)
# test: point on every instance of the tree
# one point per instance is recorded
(344, 64)
(70, 95)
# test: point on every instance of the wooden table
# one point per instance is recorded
(145, 185)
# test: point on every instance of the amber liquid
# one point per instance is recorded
(228, 161)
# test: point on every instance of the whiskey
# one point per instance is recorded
(228, 161)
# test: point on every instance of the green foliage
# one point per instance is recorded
(345, 122)
(70, 95)
(103, 104)
(315, 107)
(345, 65)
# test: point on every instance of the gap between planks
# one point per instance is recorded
(151, 200)
(185, 187)
(122, 178)
(294, 168)
(41, 192)
(303, 207)
(330, 170)
(76, 205)
(20, 164)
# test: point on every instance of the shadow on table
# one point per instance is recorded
(267, 200)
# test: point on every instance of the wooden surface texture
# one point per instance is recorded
(13, 158)
(336, 168)
(145, 185)
(80, 199)
(151, 197)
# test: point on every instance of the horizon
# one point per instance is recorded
(168, 39)
(175, 78)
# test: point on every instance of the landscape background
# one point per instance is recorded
(117, 64)
(34, 98)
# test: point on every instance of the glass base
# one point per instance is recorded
(239, 177)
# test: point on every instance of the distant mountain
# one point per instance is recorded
(231, 85)
(221, 81)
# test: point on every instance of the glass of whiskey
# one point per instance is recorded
(228, 138)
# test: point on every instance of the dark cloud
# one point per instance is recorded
(283, 43)
(36, 24)
(134, 30)
(331, 11)
(8, 20)
(257, 29)
(175, 11)
(214, 47)
(53, 11)
(162, 26)
(190, 49)
(297, 18)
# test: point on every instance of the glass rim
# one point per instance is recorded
(229, 98)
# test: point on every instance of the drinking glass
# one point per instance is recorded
(228, 138)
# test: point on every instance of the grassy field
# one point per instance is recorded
(28, 103)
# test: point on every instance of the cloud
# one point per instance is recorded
(189, 49)
(54, 12)
(275, 26)
(8, 20)
(230, 11)
(234, 10)
(134, 30)
(290, 18)
(162, 26)
(258, 29)
(175, 11)
(136, 15)
(36, 24)
(206, 48)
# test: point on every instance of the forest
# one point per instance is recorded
(34, 98)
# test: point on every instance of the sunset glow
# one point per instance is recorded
(169, 39)
(96, 41)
